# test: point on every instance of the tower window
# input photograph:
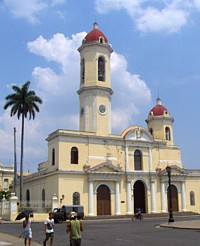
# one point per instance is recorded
(101, 69)
(167, 134)
(138, 160)
(101, 40)
(82, 71)
(74, 155)
(53, 157)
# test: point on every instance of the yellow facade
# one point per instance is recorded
(112, 174)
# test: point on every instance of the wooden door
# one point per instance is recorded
(103, 200)
(174, 195)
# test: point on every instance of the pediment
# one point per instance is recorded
(137, 133)
(175, 170)
(105, 167)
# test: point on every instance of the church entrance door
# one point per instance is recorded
(174, 194)
(139, 196)
(103, 200)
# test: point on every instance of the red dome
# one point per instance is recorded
(158, 109)
(95, 35)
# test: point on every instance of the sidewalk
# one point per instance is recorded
(189, 225)
(7, 239)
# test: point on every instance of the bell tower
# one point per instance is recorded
(95, 89)
(160, 123)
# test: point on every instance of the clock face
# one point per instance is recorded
(102, 109)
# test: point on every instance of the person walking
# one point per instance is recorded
(49, 229)
(75, 227)
(27, 234)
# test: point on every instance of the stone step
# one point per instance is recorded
(156, 215)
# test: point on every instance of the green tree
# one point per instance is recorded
(23, 103)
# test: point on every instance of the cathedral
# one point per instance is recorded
(112, 174)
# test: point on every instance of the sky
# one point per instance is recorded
(156, 52)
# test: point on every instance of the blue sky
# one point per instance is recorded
(156, 52)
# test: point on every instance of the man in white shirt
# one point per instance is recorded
(49, 229)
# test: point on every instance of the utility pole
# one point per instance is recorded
(15, 162)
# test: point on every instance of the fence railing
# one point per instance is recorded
(10, 209)
(6, 207)
(36, 206)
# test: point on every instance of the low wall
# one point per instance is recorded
(39, 217)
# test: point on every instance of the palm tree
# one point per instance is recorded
(23, 102)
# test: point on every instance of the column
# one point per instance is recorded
(3, 205)
(153, 201)
(90, 200)
(150, 159)
(128, 192)
(86, 114)
(183, 196)
(13, 207)
(54, 202)
(126, 159)
(94, 112)
(163, 200)
(117, 199)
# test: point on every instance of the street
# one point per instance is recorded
(116, 232)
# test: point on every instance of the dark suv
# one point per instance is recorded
(63, 214)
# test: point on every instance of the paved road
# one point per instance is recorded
(115, 233)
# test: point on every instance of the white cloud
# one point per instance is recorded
(30, 9)
(168, 19)
(131, 93)
(27, 9)
(153, 16)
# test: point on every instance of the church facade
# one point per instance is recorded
(112, 174)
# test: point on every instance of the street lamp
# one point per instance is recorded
(171, 219)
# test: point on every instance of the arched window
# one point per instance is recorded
(137, 160)
(43, 198)
(192, 198)
(27, 198)
(74, 155)
(82, 70)
(167, 133)
(76, 198)
(53, 157)
(101, 69)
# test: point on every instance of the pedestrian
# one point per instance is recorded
(74, 226)
(73, 213)
(49, 229)
(27, 234)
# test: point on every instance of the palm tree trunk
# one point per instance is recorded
(21, 159)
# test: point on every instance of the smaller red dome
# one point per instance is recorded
(158, 109)
(95, 35)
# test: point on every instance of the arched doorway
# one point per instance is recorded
(103, 200)
(174, 195)
(139, 196)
